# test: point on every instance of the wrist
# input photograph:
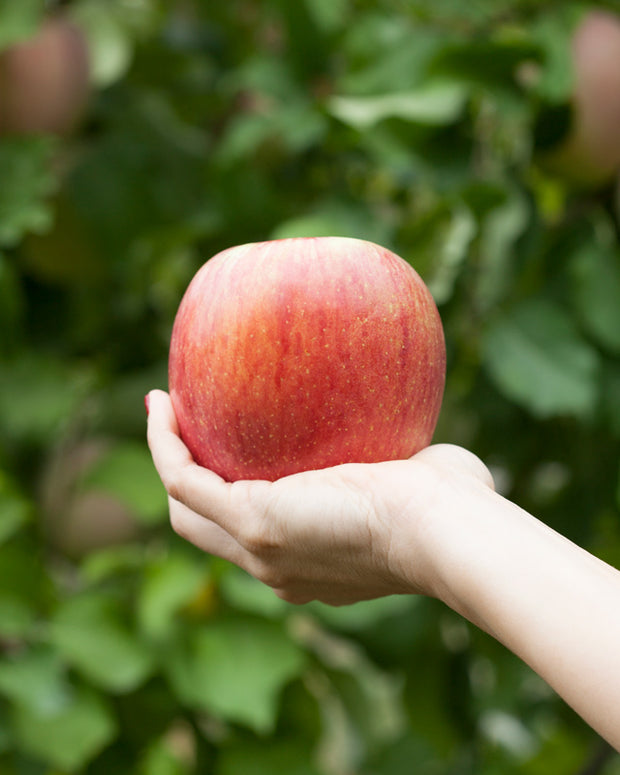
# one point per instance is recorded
(446, 535)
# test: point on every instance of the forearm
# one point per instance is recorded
(550, 602)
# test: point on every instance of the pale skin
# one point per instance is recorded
(430, 525)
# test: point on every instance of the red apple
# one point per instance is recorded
(45, 81)
(305, 353)
(590, 154)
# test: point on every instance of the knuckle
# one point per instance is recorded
(257, 538)
(178, 522)
(269, 574)
(256, 531)
(176, 485)
(174, 490)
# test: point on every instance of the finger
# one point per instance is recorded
(201, 490)
(459, 459)
(203, 533)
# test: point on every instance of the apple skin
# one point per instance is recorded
(305, 353)
(45, 81)
(590, 154)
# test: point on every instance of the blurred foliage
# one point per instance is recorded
(412, 123)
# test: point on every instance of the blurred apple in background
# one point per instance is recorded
(589, 152)
(78, 518)
(45, 80)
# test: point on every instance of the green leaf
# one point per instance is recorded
(459, 13)
(6, 741)
(491, 62)
(553, 32)
(27, 183)
(169, 583)
(159, 759)
(15, 509)
(537, 358)
(372, 697)
(17, 616)
(386, 53)
(19, 20)
(37, 395)
(35, 679)
(434, 104)
(500, 229)
(411, 753)
(595, 274)
(23, 575)
(329, 15)
(245, 593)
(294, 127)
(611, 391)
(334, 219)
(236, 669)
(281, 757)
(360, 615)
(68, 738)
(451, 253)
(113, 561)
(127, 472)
(88, 632)
(109, 42)
(300, 125)
(316, 225)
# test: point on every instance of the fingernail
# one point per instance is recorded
(147, 401)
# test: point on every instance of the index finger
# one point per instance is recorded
(201, 490)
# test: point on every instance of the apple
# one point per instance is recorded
(45, 80)
(590, 152)
(75, 519)
(305, 353)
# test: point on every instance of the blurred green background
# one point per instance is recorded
(422, 125)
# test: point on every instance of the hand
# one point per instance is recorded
(429, 525)
(339, 535)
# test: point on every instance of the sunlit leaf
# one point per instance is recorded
(169, 583)
(110, 43)
(236, 670)
(37, 395)
(358, 616)
(27, 182)
(89, 634)
(434, 104)
(596, 291)
(538, 358)
(69, 737)
(451, 254)
(245, 593)
(36, 679)
(500, 230)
